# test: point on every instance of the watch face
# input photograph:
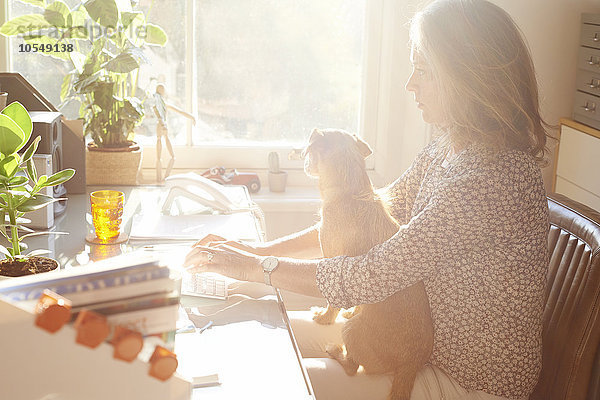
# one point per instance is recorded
(270, 263)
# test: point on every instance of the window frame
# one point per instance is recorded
(384, 106)
(254, 156)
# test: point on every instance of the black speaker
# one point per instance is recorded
(48, 125)
(73, 150)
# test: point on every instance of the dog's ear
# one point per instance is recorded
(363, 147)
(315, 135)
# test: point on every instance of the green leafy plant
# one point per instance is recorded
(106, 39)
(19, 183)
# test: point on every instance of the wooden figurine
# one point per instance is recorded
(162, 132)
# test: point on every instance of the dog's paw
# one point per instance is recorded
(323, 317)
(335, 351)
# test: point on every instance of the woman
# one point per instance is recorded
(472, 207)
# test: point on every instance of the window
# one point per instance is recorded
(354, 82)
(257, 75)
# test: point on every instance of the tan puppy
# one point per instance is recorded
(395, 335)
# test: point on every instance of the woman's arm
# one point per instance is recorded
(291, 274)
(242, 261)
(304, 245)
(411, 255)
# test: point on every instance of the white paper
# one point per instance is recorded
(237, 226)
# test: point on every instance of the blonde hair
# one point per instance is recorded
(484, 74)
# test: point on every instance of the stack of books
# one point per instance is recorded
(134, 290)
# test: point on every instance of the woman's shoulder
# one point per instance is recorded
(478, 158)
(507, 185)
(502, 171)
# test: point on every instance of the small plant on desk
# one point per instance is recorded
(19, 192)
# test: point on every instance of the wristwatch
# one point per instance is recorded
(269, 265)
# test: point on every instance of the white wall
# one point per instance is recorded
(552, 29)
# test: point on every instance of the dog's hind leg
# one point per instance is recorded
(402, 384)
(336, 352)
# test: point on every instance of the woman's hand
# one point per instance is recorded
(225, 260)
(212, 240)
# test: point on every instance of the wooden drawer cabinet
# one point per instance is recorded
(578, 163)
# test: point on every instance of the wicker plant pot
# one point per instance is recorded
(114, 166)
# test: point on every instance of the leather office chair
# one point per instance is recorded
(571, 355)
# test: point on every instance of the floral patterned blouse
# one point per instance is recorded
(474, 230)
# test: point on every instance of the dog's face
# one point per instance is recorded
(324, 145)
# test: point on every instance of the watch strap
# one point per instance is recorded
(269, 265)
(267, 276)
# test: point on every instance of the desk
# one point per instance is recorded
(252, 349)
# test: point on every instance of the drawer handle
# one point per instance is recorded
(589, 108)
(596, 38)
(592, 62)
(594, 84)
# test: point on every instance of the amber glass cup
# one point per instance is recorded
(107, 213)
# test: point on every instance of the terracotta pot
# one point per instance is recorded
(277, 181)
(113, 166)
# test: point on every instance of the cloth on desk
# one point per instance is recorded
(238, 308)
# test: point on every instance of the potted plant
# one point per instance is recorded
(277, 177)
(19, 192)
(103, 43)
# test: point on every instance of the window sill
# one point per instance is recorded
(294, 199)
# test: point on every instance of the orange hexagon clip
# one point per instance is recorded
(92, 328)
(52, 311)
(163, 363)
(127, 343)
